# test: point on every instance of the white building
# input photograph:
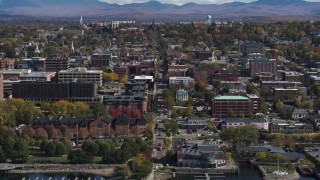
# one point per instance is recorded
(182, 95)
(144, 78)
(80, 75)
(185, 81)
(299, 113)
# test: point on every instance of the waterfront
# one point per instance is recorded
(53, 176)
(246, 172)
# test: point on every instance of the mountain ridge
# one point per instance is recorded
(96, 8)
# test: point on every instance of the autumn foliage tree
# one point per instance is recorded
(83, 133)
(200, 85)
(28, 131)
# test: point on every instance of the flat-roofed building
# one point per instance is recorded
(13, 74)
(259, 123)
(255, 101)
(80, 75)
(266, 66)
(38, 76)
(193, 123)
(182, 81)
(266, 86)
(50, 91)
(226, 106)
(57, 62)
(284, 94)
(290, 128)
(101, 60)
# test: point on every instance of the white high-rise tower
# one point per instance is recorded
(81, 21)
(209, 20)
(72, 47)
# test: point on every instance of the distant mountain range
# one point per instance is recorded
(155, 9)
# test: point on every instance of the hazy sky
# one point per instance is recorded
(179, 2)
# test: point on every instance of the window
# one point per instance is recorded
(99, 125)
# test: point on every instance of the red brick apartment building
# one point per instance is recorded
(95, 128)
(223, 106)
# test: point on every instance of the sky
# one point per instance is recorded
(180, 2)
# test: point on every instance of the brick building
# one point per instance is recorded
(266, 66)
(57, 62)
(100, 127)
(134, 101)
(266, 86)
(224, 106)
(101, 60)
(252, 47)
(284, 94)
(126, 126)
(7, 63)
(177, 70)
(96, 128)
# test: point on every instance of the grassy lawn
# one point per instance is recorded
(43, 159)
(56, 160)
(272, 168)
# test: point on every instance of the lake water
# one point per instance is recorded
(246, 173)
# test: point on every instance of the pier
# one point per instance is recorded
(203, 173)
(5, 168)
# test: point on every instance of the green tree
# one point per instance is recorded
(67, 144)
(21, 150)
(80, 157)
(50, 149)
(90, 147)
(141, 167)
(60, 149)
(240, 136)
(261, 157)
(8, 146)
(3, 157)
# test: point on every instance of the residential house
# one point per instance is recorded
(290, 128)
(182, 95)
(126, 126)
(299, 113)
(100, 127)
(193, 123)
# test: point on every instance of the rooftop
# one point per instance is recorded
(245, 120)
(38, 74)
(80, 70)
(230, 98)
(173, 78)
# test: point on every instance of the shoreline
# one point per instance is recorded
(47, 169)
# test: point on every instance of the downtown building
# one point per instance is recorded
(51, 92)
(101, 60)
(57, 62)
(257, 66)
(225, 106)
(80, 75)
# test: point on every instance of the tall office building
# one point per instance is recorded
(57, 62)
